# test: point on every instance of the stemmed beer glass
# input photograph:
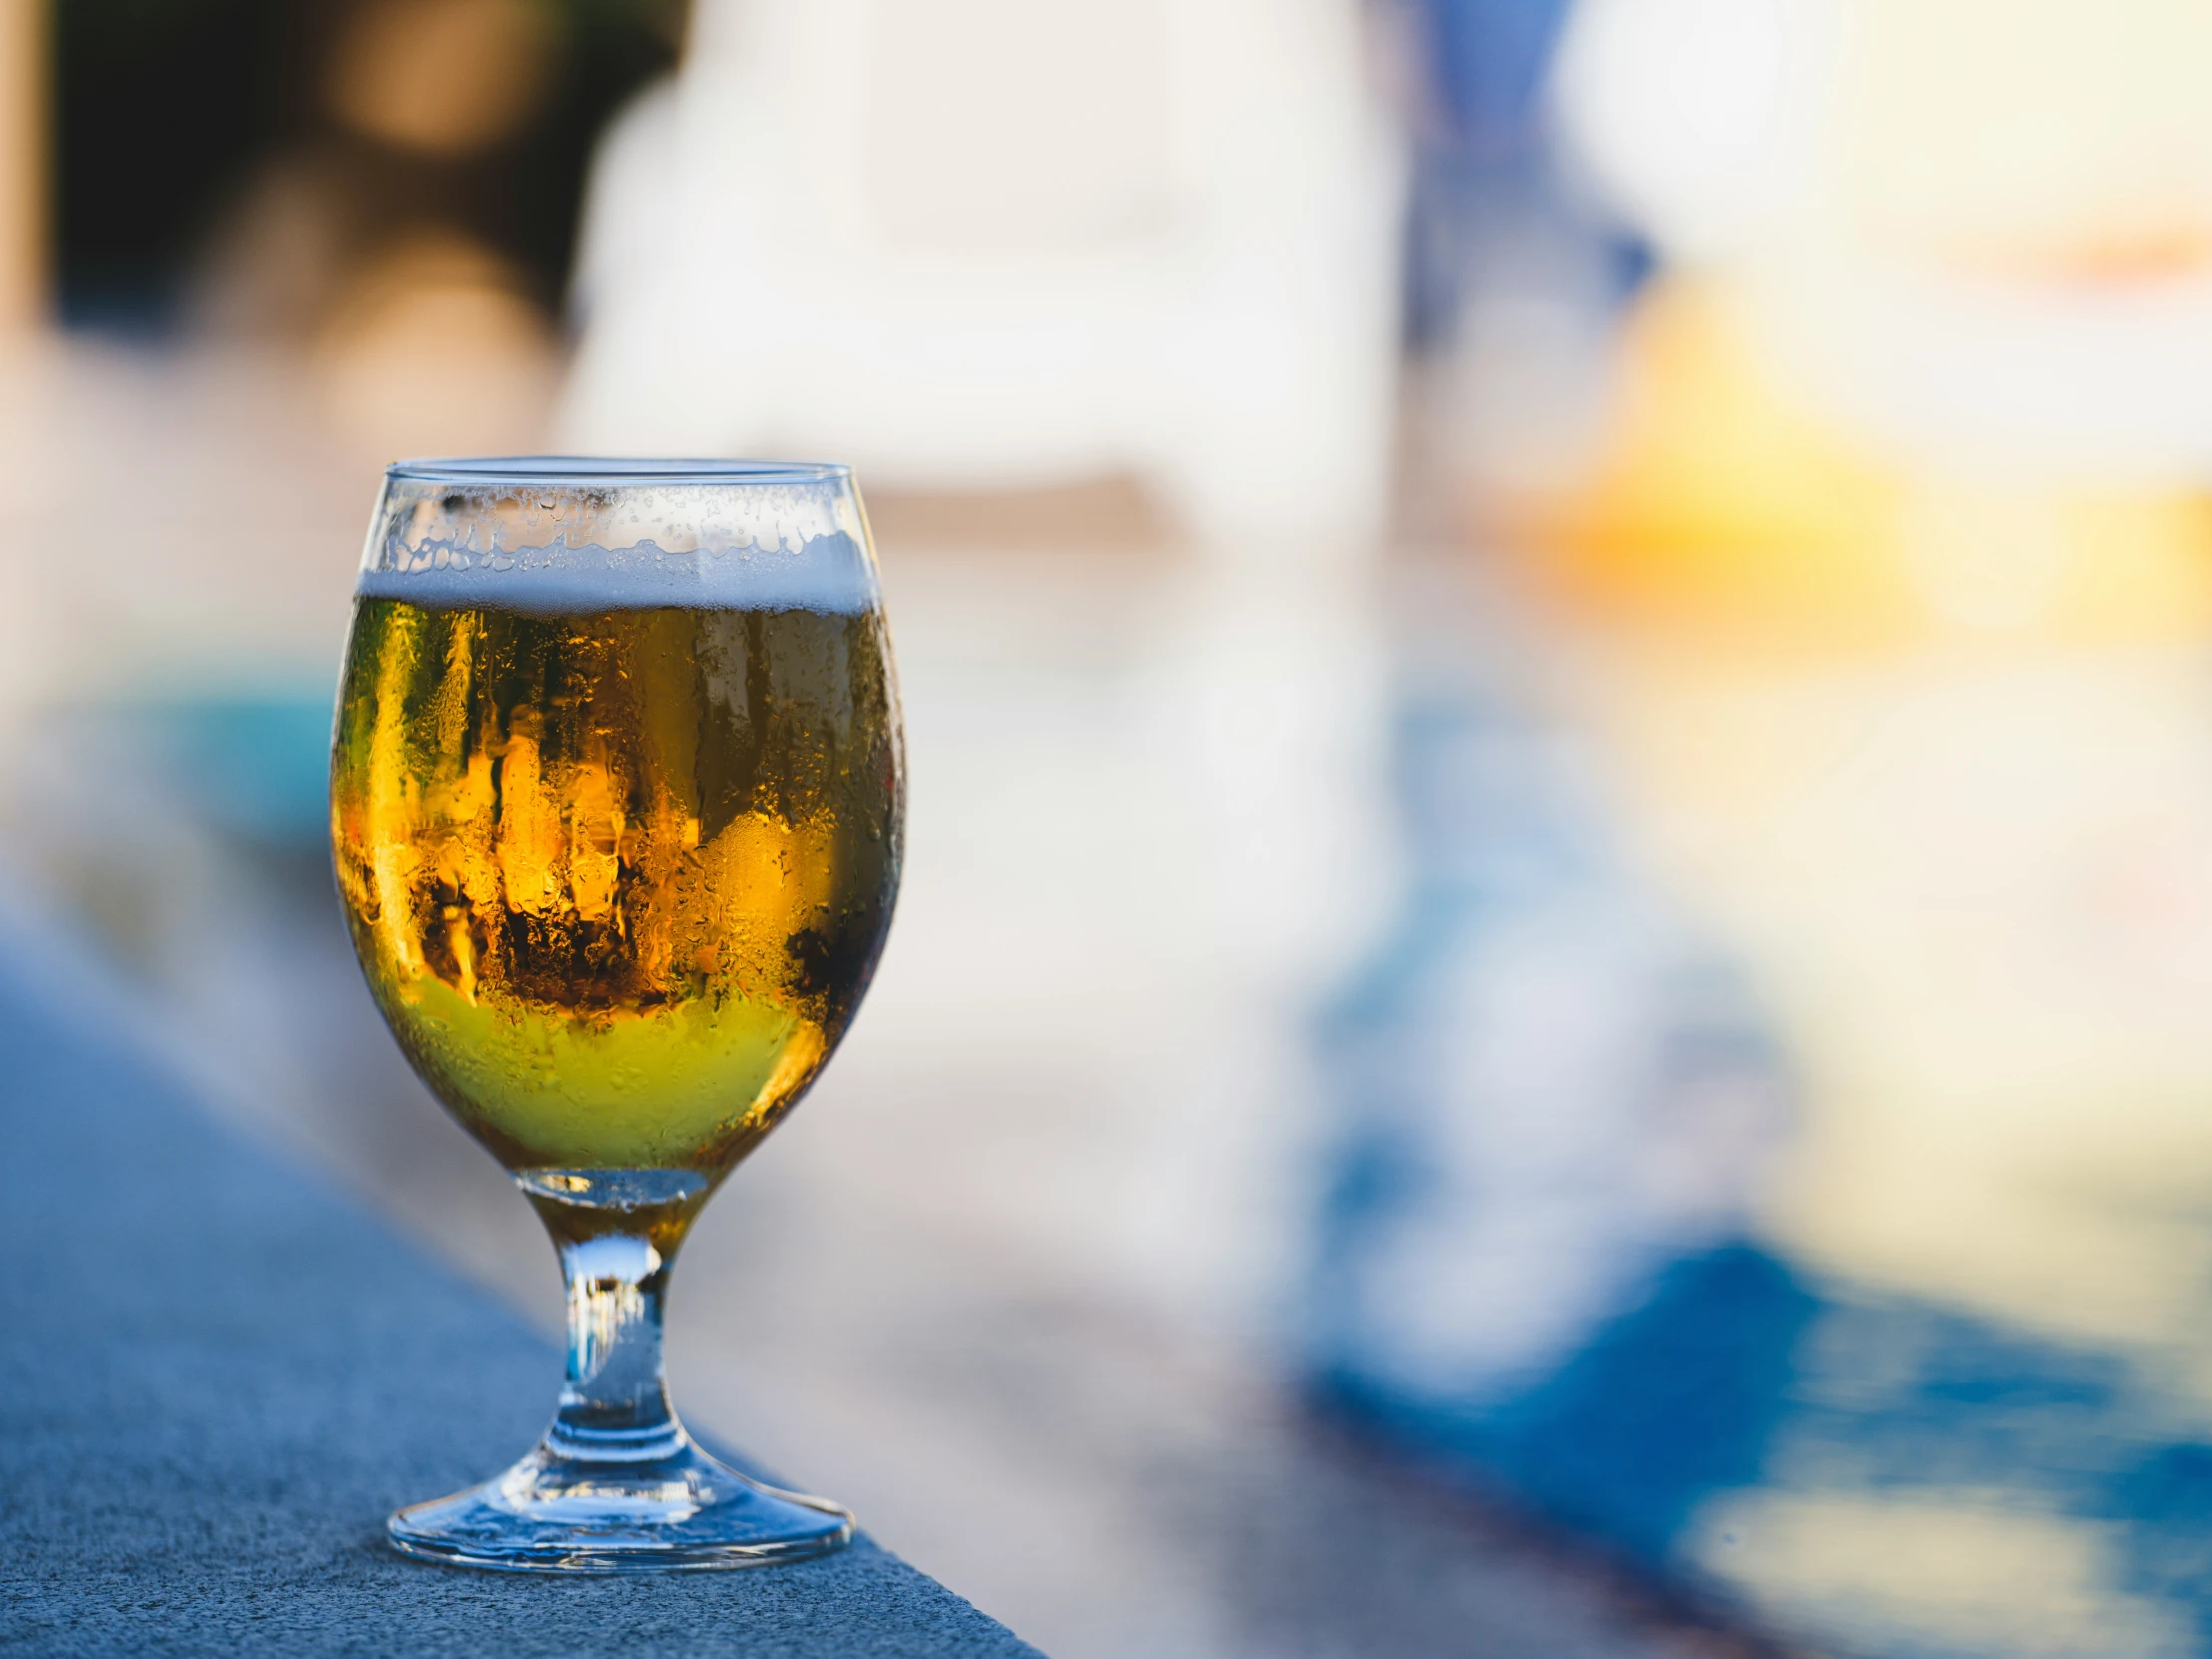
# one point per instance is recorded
(616, 796)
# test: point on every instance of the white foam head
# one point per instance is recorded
(563, 534)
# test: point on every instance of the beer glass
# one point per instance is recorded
(615, 800)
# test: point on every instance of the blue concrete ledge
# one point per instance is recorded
(218, 1375)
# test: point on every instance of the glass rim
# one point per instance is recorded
(542, 470)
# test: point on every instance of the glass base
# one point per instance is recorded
(683, 1512)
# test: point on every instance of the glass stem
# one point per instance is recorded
(613, 1404)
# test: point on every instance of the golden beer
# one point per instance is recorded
(618, 877)
(616, 795)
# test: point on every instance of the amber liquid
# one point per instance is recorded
(618, 880)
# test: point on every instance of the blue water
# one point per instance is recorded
(1699, 1370)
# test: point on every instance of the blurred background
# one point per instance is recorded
(1555, 989)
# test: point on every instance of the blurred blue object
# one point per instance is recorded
(255, 766)
(1539, 1273)
(1552, 1088)
(1490, 198)
(1487, 60)
(1669, 1402)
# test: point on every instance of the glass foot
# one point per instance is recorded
(552, 1513)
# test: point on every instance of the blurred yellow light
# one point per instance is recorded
(1724, 502)
(442, 77)
(1716, 500)
(1968, 1567)
(434, 348)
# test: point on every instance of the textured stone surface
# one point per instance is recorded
(217, 1376)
